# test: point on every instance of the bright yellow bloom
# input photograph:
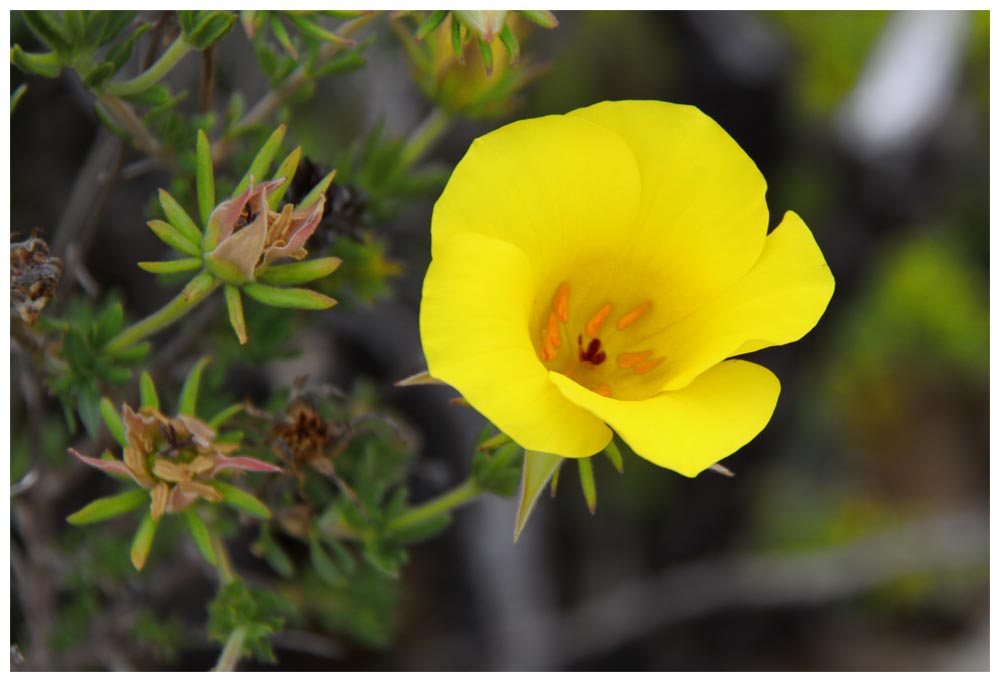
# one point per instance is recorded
(597, 269)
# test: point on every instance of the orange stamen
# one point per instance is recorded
(597, 321)
(626, 360)
(548, 352)
(633, 315)
(554, 337)
(603, 390)
(561, 305)
(644, 367)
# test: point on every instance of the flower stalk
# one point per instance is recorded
(444, 503)
(151, 76)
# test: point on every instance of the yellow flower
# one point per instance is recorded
(599, 268)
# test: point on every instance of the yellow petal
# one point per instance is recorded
(778, 301)
(703, 217)
(691, 429)
(561, 189)
(477, 300)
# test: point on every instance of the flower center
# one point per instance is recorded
(596, 339)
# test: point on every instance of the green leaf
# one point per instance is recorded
(15, 97)
(234, 305)
(133, 353)
(420, 531)
(156, 96)
(170, 267)
(178, 217)
(510, 44)
(242, 500)
(109, 507)
(317, 31)
(538, 469)
(262, 162)
(147, 391)
(299, 273)
(272, 552)
(303, 299)
(170, 236)
(122, 52)
(76, 351)
(209, 27)
(188, 403)
(100, 73)
(323, 564)
(50, 29)
(113, 420)
(199, 533)
(587, 483)
(116, 22)
(316, 192)
(498, 472)
(88, 405)
(109, 323)
(75, 25)
(225, 415)
(278, 28)
(487, 54)
(615, 455)
(143, 540)
(431, 23)
(285, 170)
(46, 64)
(342, 63)
(205, 178)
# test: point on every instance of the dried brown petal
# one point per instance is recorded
(34, 278)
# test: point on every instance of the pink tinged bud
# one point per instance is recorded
(290, 241)
(111, 466)
(180, 499)
(202, 433)
(244, 463)
(236, 257)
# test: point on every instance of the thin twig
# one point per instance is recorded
(207, 94)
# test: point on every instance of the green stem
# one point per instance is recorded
(123, 112)
(426, 134)
(153, 74)
(230, 655)
(455, 497)
(195, 292)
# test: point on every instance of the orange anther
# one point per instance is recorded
(553, 336)
(648, 365)
(561, 305)
(548, 352)
(633, 315)
(603, 390)
(597, 321)
(626, 360)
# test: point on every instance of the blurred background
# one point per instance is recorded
(855, 532)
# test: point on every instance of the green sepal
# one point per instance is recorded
(487, 53)
(178, 217)
(224, 270)
(205, 178)
(46, 64)
(431, 23)
(541, 17)
(143, 540)
(587, 483)
(510, 44)
(554, 484)
(538, 469)
(147, 391)
(234, 305)
(303, 299)
(170, 267)
(615, 455)
(494, 442)
(188, 402)
(285, 170)
(456, 40)
(170, 236)
(316, 192)
(242, 500)
(262, 162)
(199, 533)
(299, 273)
(109, 507)
(113, 421)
